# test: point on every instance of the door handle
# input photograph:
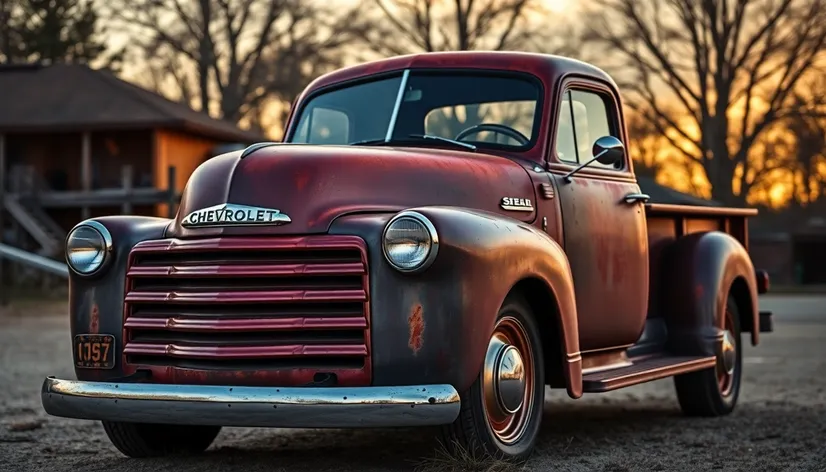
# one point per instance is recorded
(635, 198)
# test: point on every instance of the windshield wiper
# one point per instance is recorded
(444, 140)
(423, 137)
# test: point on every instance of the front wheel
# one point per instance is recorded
(153, 440)
(502, 411)
(714, 392)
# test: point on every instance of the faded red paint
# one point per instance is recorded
(342, 175)
(604, 239)
(416, 323)
(301, 180)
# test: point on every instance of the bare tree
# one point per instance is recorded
(234, 55)
(655, 159)
(713, 75)
(53, 31)
(395, 27)
(392, 27)
(808, 130)
(644, 146)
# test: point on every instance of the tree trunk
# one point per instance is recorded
(720, 173)
(205, 55)
(720, 168)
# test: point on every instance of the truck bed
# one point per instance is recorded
(667, 222)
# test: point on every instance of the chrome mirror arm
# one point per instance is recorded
(567, 177)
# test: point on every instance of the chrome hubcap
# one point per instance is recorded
(727, 357)
(728, 353)
(507, 380)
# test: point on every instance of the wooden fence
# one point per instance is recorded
(24, 210)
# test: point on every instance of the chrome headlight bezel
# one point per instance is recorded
(428, 227)
(106, 245)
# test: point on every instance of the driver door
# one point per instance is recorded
(605, 237)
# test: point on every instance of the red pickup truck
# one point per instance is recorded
(437, 239)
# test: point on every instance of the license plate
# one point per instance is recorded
(95, 351)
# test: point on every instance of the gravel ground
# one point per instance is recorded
(780, 422)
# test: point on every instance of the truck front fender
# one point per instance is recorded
(96, 302)
(700, 271)
(434, 326)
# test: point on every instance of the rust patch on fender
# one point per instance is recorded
(94, 319)
(416, 323)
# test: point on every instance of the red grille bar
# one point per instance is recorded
(247, 269)
(247, 296)
(242, 352)
(243, 324)
(285, 308)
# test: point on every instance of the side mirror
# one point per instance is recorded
(607, 150)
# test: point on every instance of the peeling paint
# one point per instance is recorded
(416, 323)
(94, 319)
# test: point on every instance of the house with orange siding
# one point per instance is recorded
(75, 129)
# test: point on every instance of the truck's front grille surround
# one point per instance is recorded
(297, 304)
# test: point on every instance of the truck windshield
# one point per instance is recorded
(496, 110)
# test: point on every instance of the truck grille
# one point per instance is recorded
(238, 304)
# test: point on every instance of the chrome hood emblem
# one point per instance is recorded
(228, 214)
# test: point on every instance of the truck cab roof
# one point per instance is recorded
(547, 67)
(551, 74)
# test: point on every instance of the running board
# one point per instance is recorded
(644, 370)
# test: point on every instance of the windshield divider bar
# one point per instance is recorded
(397, 106)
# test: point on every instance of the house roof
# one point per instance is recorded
(68, 97)
(662, 194)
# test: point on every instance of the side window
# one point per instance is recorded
(591, 122)
(565, 144)
(323, 126)
(583, 118)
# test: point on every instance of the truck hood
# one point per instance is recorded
(312, 185)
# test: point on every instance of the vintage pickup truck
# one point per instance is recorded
(437, 239)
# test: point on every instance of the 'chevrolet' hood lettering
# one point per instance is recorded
(234, 215)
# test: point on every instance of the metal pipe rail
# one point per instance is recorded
(35, 261)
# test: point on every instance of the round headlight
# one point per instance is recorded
(410, 242)
(87, 247)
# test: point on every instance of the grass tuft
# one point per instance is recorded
(459, 459)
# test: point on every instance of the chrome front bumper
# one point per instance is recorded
(293, 407)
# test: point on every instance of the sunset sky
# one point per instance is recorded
(562, 11)
(559, 5)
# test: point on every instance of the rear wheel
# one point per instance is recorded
(152, 440)
(502, 411)
(714, 392)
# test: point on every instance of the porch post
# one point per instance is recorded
(86, 168)
(3, 290)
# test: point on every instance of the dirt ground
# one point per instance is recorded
(780, 423)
